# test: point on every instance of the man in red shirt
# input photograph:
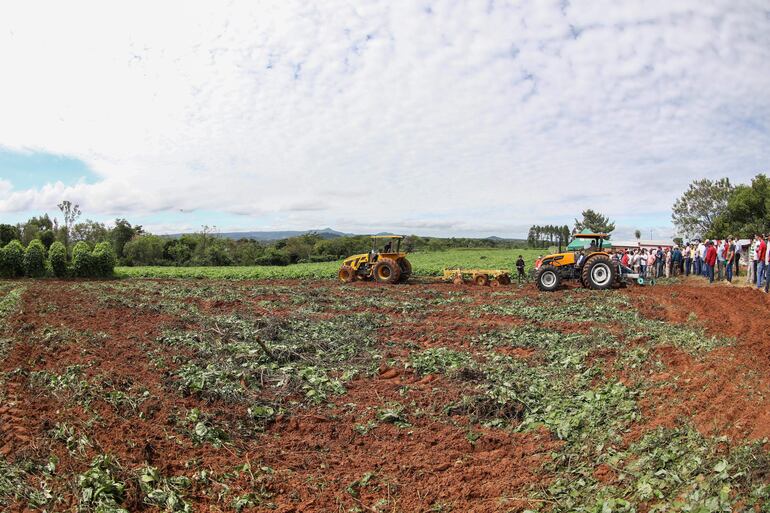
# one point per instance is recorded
(710, 260)
(761, 249)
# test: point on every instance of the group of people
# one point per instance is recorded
(712, 259)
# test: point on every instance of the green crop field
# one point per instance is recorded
(424, 264)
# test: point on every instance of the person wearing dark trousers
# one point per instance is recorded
(737, 256)
(520, 268)
(710, 260)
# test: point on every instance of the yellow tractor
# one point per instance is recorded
(594, 268)
(385, 263)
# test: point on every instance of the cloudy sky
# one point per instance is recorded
(437, 117)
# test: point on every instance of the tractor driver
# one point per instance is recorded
(388, 247)
(593, 245)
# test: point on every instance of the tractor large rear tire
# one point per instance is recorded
(599, 273)
(406, 270)
(346, 274)
(548, 278)
(386, 271)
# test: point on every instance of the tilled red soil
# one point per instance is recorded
(318, 459)
(726, 391)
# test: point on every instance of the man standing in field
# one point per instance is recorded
(520, 268)
(761, 249)
(710, 260)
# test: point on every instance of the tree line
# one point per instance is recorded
(132, 245)
(550, 235)
(717, 209)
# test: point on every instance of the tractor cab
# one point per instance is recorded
(386, 246)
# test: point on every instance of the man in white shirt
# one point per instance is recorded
(751, 272)
(701, 257)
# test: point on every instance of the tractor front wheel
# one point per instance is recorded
(386, 271)
(548, 278)
(346, 274)
(599, 273)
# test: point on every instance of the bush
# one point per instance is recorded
(12, 260)
(144, 250)
(104, 259)
(34, 259)
(57, 259)
(82, 260)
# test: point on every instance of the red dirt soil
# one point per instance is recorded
(317, 454)
(726, 391)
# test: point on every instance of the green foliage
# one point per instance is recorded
(34, 259)
(47, 237)
(100, 489)
(12, 260)
(695, 211)
(82, 260)
(16, 484)
(144, 250)
(595, 222)
(57, 259)
(8, 232)
(163, 492)
(104, 259)
(747, 212)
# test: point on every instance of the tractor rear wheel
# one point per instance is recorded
(346, 274)
(386, 271)
(481, 280)
(504, 279)
(548, 278)
(406, 270)
(599, 273)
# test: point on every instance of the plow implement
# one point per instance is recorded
(481, 277)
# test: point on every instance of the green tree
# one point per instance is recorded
(57, 259)
(104, 259)
(89, 231)
(695, 211)
(595, 222)
(47, 237)
(82, 260)
(34, 259)
(8, 232)
(121, 234)
(12, 260)
(638, 234)
(71, 213)
(747, 212)
(144, 250)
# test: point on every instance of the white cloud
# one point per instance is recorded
(456, 115)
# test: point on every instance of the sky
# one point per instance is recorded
(465, 118)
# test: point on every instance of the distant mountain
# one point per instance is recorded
(325, 233)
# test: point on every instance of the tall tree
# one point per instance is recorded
(637, 234)
(696, 210)
(71, 213)
(595, 222)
